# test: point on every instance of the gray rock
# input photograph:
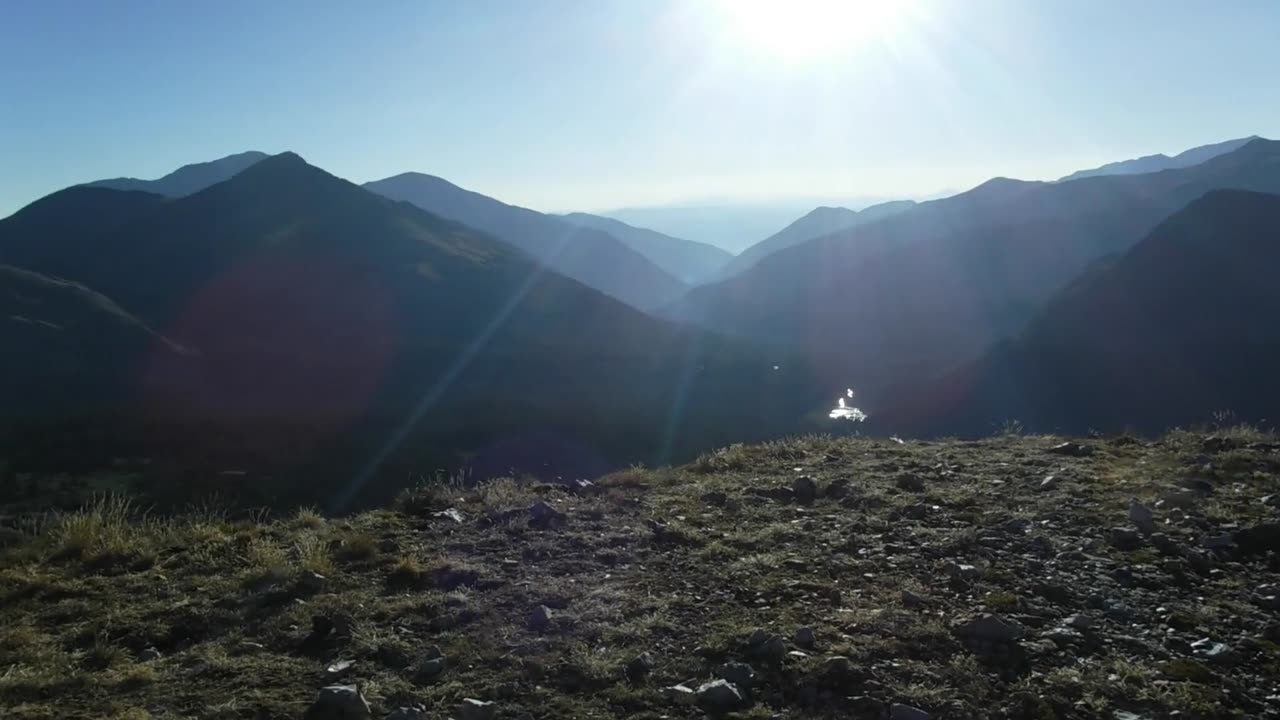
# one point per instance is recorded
(1141, 517)
(339, 702)
(431, 668)
(639, 667)
(898, 711)
(543, 516)
(407, 713)
(1123, 538)
(719, 695)
(740, 674)
(1181, 499)
(540, 619)
(1271, 500)
(966, 573)
(472, 709)
(1049, 482)
(758, 636)
(149, 655)
(1071, 449)
(804, 489)
(583, 487)
(680, 694)
(806, 638)
(772, 650)
(989, 628)
(911, 600)
(1215, 652)
(910, 482)
(838, 665)
(452, 514)
(1079, 622)
(1218, 542)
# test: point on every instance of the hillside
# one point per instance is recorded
(1167, 334)
(1158, 162)
(910, 296)
(335, 333)
(690, 261)
(818, 222)
(592, 257)
(819, 577)
(188, 179)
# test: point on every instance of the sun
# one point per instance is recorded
(797, 30)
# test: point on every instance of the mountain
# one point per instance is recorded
(188, 179)
(320, 322)
(910, 296)
(818, 222)
(585, 254)
(1175, 329)
(692, 262)
(1156, 163)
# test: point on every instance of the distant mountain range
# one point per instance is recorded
(692, 262)
(188, 179)
(909, 296)
(290, 318)
(1156, 163)
(818, 222)
(1168, 333)
(583, 253)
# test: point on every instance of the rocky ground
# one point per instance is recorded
(1016, 577)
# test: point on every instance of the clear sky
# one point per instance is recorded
(597, 104)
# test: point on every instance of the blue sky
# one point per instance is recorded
(597, 104)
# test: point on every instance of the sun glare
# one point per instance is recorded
(796, 30)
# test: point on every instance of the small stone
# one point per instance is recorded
(804, 489)
(758, 636)
(339, 702)
(1181, 499)
(639, 667)
(583, 487)
(719, 695)
(1123, 538)
(910, 482)
(1049, 482)
(898, 711)
(772, 650)
(740, 674)
(310, 581)
(339, 668)
(540, 619)
(1140, 516)
(838, 666)
(150, 655)
(1218, 542)
(1071, 449)
(1079, 622)
(431, 668)
(680, 695)
(452, 514)
(248, 647)
(806, 638)
(911, 600)
(964, 573)
(989, 628)
(407, 713)
(544, 517)
(1271, 500)
(472, 709)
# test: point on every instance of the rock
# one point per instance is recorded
(1259, 539)
(715, 498)
(719, 695)
(910, 482)
(1214, 652)
(1271, 500)
(964, 573)
(1071, 449)
(1165, 544)
(898, 711)
(1181, 499)
(911, 600)
(1122, 538)
(804, 489)
(407, 713)
(472, 709)
(989, 628)
(772, 650)
(540, 619)
(758, 636)
(339, 668)
(740, 674)
(1217, 444)
(837, 488)
(544, 517)
(583, 487)
(149, 655)
(680, 695)
(339, 702)
(311, 582)
(431, 668)
(639, 667)
(806, 638)
(1049, 482)
(1141, 517)
(1079, 622)
(838, 666)
(452, 514)
(1218, 542)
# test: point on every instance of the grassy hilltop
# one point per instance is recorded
(1012, 577)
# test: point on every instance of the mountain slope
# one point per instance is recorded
(588, 255)
(188, 179)
(690, 261)
(907, 297)
(325, 322)
(818, 222)
(1177, 328)
(1158, 162)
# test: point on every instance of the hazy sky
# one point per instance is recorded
(596, 104)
